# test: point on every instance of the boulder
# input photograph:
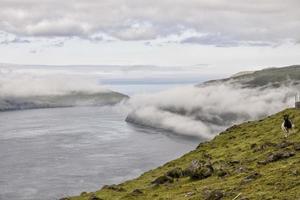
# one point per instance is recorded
(251, 177)
(273, 157)
(241, 169)
(201, 173)
(280, 155)
(195, 164)
(262, 147)
(189, 194)
(284, 144)
(199, 170)
(214, 195)
(162, 180)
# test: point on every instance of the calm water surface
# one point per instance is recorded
(46, 154)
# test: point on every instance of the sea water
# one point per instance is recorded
(47, 154)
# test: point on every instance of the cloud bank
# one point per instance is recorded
(117, 74)
(20, 90)
(207, 22)
(205, 111)
(27, 84)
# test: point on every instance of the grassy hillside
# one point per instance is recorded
(269, 76)
(247, 161)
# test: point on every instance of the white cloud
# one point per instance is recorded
(21, 83)
(237, 22)
(205, 111)
(57, 28)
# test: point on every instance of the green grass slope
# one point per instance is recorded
(247, 161)
(265, 77)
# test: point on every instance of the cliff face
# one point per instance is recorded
(247, 161)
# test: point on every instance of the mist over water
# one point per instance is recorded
(208, 109)
(24, 90)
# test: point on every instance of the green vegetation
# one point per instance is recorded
(266, 77)
(247, 161)
(273, 76)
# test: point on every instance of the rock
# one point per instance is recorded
(64, 198)
(297, 146)
(196, 164)
(284, 144)
(252, 177)
(277, 156)
(214, 195)
(199, 170)
(175, 173)
(241, 169)
(162, 180)
(260, 148)
(114, 187)
(263, 146)
(201, 173)
(137, 192)
(280, 155)
(189, 194)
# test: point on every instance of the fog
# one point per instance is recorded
(201, 111)
(206, 110)
(27, 84)
(24, 90)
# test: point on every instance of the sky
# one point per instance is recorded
(217, 36)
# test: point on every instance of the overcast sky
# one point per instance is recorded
(222, 35)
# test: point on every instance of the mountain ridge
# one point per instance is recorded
(269, 76)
